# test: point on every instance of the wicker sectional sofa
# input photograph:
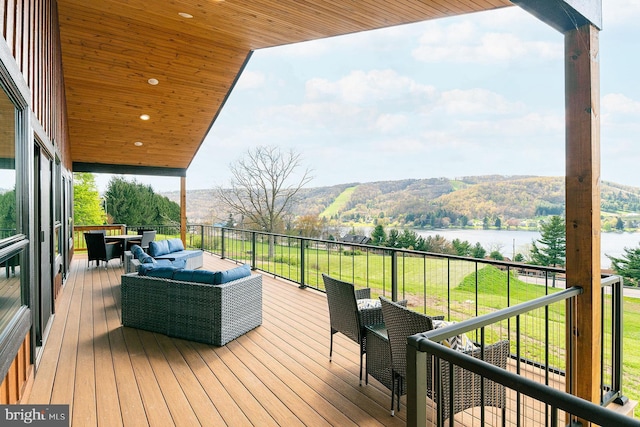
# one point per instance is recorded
(213, 314)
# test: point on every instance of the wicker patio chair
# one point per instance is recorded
(345, 317)
(98, 249)
(402, 323)
(146, 237)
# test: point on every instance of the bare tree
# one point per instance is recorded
(264, 185)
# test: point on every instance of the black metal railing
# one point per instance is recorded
(542, 401)
(461, 288)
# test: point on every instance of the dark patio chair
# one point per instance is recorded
(98, 249)
(344, 315)
(401, 323)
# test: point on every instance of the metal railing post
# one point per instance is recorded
(394, 275)
(617, 301)
(416, 387)
(222, 244)
(302, 245)
(253, 250)
(202, 237)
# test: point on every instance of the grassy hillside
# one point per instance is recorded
(436, 202)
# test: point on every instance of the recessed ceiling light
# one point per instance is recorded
(145, 117)
(153, 82)
(185, 15)
(138, 144)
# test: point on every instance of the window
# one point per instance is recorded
(11, 244)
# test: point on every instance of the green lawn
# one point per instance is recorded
(454, 288)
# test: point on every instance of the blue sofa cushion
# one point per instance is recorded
(223, 277)
(175, 245)
(151, 270)
(158, 248)
(197, 276)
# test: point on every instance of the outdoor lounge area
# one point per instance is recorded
(276, 374)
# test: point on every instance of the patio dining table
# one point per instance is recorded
(122, 239)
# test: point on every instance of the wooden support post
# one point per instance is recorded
(183, 210)
(582, 90)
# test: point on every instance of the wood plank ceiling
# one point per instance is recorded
(111, 48)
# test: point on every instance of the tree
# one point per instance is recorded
(87, 209)
(408, 239)
(462, 248)
(264, 186)
(550, 249)
(309, 226)
(628, 265)
(134, 203)
(393, 239)
(619, 224)
(378, 236)
(478, 251)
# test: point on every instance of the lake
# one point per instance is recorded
(510, 242)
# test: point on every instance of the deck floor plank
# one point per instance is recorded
(84, 389)
(203, 407)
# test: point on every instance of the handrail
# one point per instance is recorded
(552, 397)
(490, 318)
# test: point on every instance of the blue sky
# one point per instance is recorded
(472, 95)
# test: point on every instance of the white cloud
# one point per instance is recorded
(618, 12)
(618, 103)
(464, 42)
(361, 87)
(250, 80)
(390, 122)
(476, 101)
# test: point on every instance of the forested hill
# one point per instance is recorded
(419, 201)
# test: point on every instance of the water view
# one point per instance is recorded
(510, 242)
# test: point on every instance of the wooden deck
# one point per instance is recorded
(277, 374)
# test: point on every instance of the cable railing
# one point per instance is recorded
(459, 288)
(532, 402)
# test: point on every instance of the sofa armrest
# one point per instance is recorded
(144, 302)
(214, 314)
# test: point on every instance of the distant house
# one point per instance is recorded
(355, 238)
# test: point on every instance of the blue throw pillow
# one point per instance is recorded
(175, 245)
(196, 276)
(233, 274)
(147, 259)
(158, 248)
(136, 251)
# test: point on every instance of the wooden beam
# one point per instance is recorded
(582, 92)
(183, 210)
(564, 15)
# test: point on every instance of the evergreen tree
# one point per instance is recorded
(628, 265)
(134, 203)
(87, 209)
(408, 239)
(462, 248)
(378, 236)
(393, 239)
(620, 224)
(478, 251)
(550, 249)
